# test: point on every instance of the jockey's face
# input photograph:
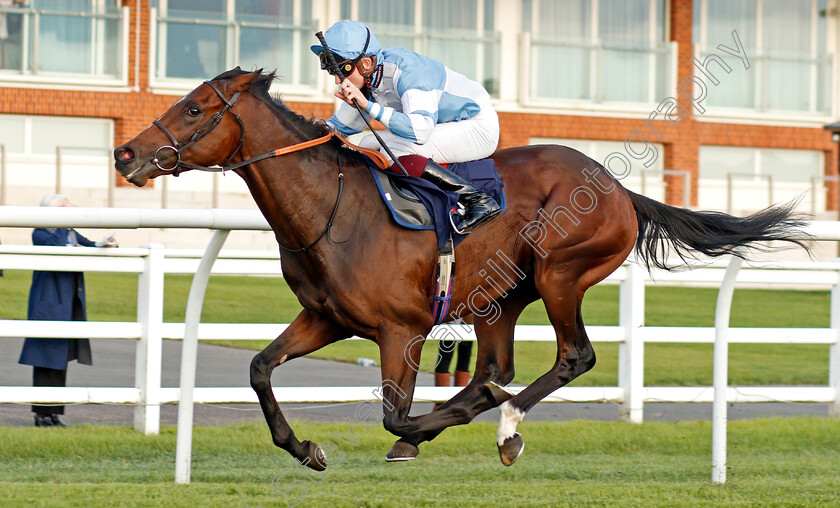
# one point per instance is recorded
(355, 77)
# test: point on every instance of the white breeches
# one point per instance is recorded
(466, 140)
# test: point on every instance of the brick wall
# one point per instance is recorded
(133, 111)
(681, 143)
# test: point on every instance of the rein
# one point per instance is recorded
(328, 227)
(177, 147)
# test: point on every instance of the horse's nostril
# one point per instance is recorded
(124, 154)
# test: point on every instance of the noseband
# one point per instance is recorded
(179, 146)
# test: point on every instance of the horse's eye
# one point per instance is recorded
(193, 111)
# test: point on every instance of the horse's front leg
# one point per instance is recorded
(398, 380)
(308, 332)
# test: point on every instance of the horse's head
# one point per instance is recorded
(197, 131)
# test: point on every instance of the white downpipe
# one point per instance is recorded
(189, 356)
(721, 367)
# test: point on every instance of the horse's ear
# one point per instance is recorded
(243, 81)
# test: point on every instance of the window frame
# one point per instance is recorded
(753, 183)
(596, 102)
(29, 134)
(420, 39)
(90, 167)
(29, 76)
(759, 62)
(230, 48)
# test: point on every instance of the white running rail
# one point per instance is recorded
(152, 261)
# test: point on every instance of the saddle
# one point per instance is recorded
(417, 204)
(405, 205)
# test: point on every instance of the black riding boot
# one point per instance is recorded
(479, 206)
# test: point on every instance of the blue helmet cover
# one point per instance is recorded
(347, 39)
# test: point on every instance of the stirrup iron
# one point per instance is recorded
(459, 212)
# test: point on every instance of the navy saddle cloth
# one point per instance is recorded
(415, 203)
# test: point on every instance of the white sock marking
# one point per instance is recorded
(511, 416)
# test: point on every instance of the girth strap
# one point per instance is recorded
(444, 283)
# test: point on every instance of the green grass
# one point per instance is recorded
(112, 297)
(773, 462)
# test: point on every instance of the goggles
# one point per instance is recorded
(346, 66)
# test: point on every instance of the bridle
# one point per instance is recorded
(178, 146)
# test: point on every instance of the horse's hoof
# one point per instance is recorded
(401, 452)
(315, 457)
(511, 449)
(498, 392)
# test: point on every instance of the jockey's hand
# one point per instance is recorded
(347, 92)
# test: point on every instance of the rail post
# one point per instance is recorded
(834, 351)
(112, 180)
(631, 352)
(164, 193)
(150, 346)
(3, 174)
(58, 170)
(189, 357)
(720, 374)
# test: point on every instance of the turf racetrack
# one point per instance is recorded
(773, 462)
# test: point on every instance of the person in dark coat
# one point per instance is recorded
(56, 296)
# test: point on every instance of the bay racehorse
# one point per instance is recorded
(568, 224)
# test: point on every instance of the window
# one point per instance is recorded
(11, 132)
(49, 40)
(40, 135)
(784, 165)
(785, 41)
(31, 147)
(597, 50)
(199, 39)
(648, 180)
(742, 179)
(459, 34)
(599, 150)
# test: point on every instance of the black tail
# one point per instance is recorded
(663, 227)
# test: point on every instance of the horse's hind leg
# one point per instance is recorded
(308, 332)
(575, 356)
(494, 366)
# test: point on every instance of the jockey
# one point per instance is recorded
(431, 112)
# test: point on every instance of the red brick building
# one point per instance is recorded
(602, 73)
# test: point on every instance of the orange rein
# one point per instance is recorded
(380, 160)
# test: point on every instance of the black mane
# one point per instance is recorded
(306, 128)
